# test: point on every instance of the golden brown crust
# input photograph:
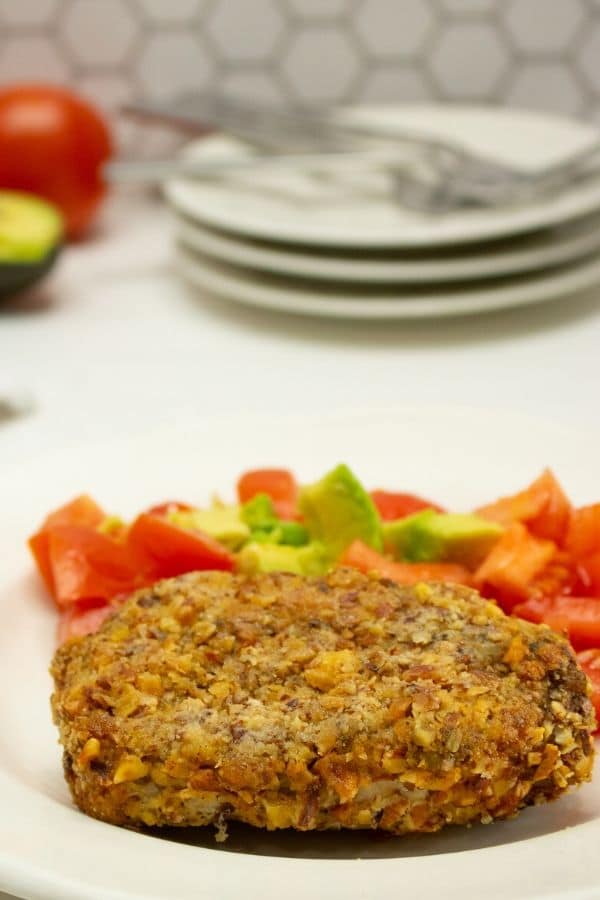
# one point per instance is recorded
(344, 701)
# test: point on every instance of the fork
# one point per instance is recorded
(450, 175)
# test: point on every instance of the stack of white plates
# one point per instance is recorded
(344, 247)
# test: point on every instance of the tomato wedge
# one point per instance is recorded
(82, 510)
(561, 576)
(589, 661)
(163, 550)
(77, 622)
(279, 484)
(583, 533)
(588, 570)
(512, 564)
(360, 556)
(543, 506)
(392, 506)
(577, 617)
(88, 565)
(169, 506)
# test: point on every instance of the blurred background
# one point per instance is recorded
(541, 54)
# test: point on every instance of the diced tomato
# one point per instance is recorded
(360, 556)
(391, 506)
(543, 506)
(163, 550)
(588, 570)
(559, 577)
(589, 661)
(583, 532)
(279, 484)
(512, 564)
(77, 622)
(38, 544)
(553, 518)
(169, 506)
(89, 565)
(577, 617)
(80, 511)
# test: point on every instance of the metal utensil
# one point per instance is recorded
(128, 171)
(431, 174)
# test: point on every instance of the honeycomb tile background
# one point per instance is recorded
(542, 54)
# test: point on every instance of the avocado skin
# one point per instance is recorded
(18, 276)
(338, 510)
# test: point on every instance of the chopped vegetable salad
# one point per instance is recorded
(533, 552)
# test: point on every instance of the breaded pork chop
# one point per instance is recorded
(344, 701)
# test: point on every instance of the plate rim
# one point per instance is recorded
(281, 260)
(36, 885)
(568, 206)
(238, 286)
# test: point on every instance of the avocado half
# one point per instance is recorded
(31, 232)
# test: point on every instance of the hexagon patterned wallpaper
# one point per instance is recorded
(532, 53)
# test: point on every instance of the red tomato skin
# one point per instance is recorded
(169, 506)
(559, 577)
(83, 510)
(392, 505)
(359, 556)
(76, 621)
(552, 521)
(543, 507)
(576, 617)
(589, 660)
(583, 532)
(87, 565)
(512, 564)
(279, 484)
(588, 570)
(54, 144)
(163, 550)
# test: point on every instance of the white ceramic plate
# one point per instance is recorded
(528, 253)
(48, 850)
(332, 300)
(284, 206)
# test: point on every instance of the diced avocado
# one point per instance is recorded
(309, 560)
(259, 513)
(222, 522)
(111, 525)
(338, 510)
(401, 537)
(30, 228)
(443, 537)
(292, 533)
(265, 527)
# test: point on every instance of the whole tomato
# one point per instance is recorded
(53, 143)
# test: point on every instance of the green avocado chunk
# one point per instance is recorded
(266, 527)
(442, 537)
(259, 513)
(402, 537)
(30, 228)
(224, 523)
(338, 510)
(309, 560)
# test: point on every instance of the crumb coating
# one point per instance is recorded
(315, 703)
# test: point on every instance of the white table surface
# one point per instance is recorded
(114, 344)
(117, 343)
